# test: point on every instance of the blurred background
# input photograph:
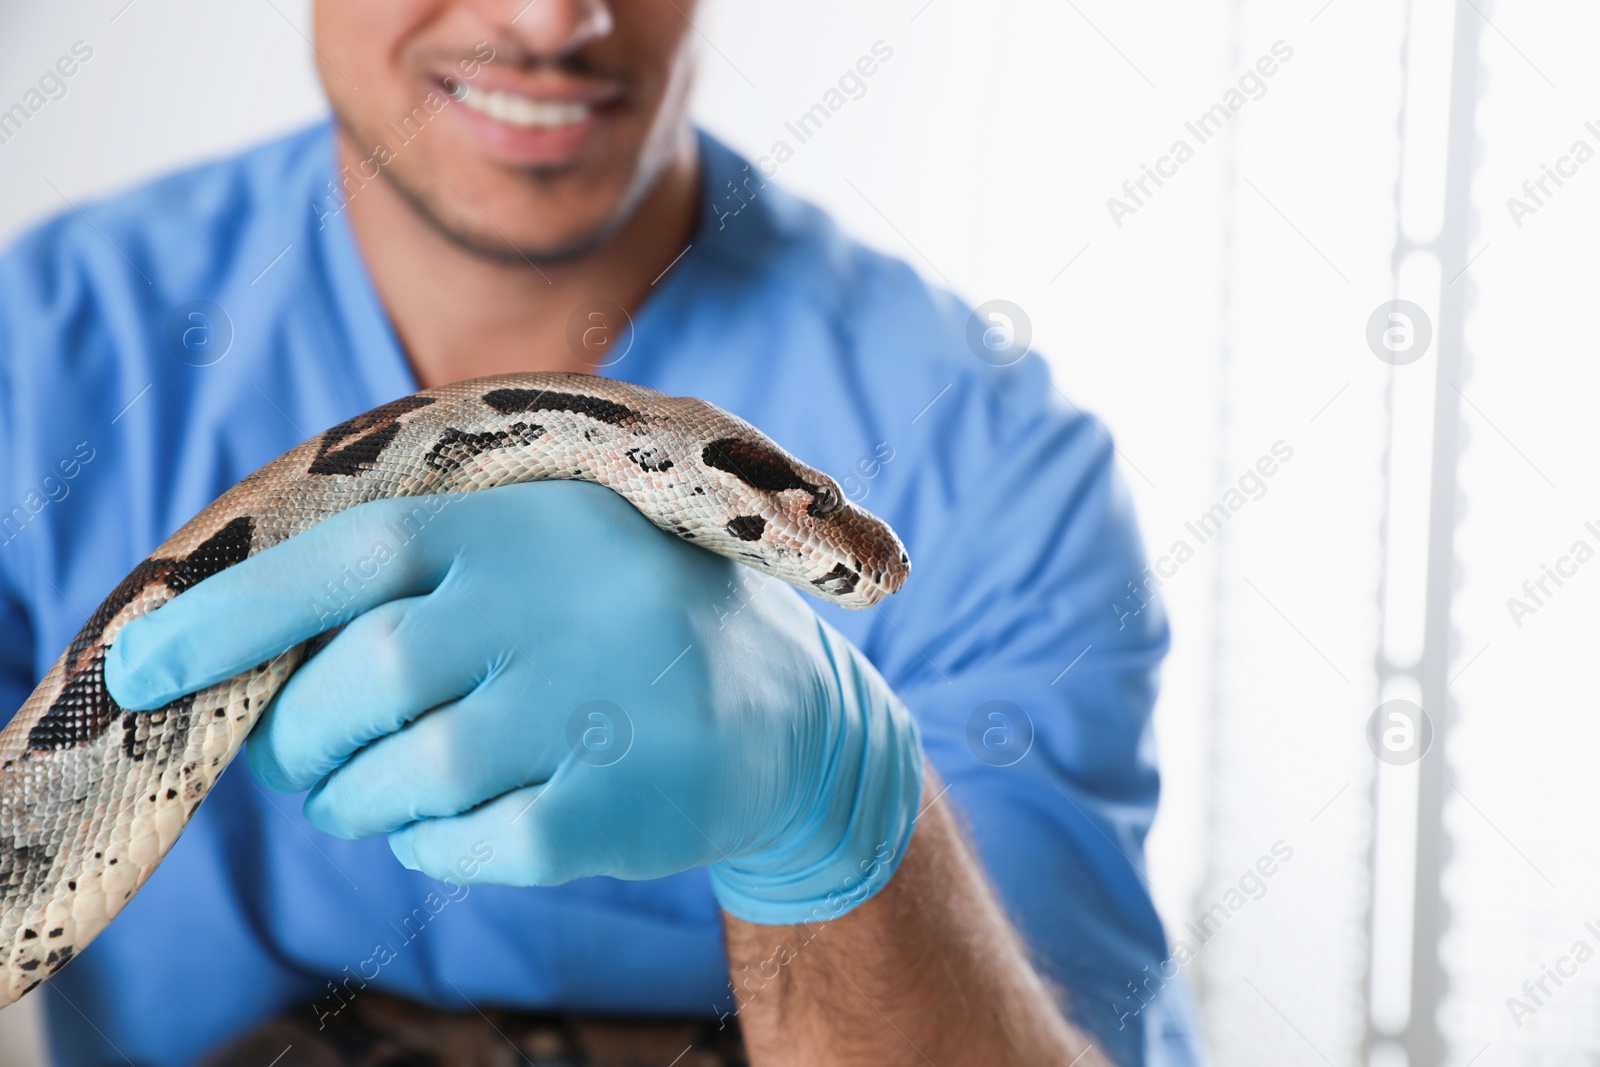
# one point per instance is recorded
(1356, 237)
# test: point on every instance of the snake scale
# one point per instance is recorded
(92, 796)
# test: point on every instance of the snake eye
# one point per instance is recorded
(825, 502)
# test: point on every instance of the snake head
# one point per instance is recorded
(798, 524)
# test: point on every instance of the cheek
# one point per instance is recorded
(664, 22)
(655, 36)
(359, 41)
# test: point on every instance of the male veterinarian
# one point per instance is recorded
(906, 835)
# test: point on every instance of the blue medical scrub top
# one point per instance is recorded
(116, 428)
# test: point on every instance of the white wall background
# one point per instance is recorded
(1227, 314)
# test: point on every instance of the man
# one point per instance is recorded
(502, 180)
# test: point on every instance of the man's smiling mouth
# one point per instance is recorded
(522, 111)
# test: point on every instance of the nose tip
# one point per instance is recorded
(551, 29)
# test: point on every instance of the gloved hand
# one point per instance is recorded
(539, 668)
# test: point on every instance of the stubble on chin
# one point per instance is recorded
(486, 241)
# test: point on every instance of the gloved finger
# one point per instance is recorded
(380, 672)
(436, 847)
(587, 820)
(447, 762)
(528, 849)
(273, 601)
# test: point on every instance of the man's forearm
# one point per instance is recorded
(929, 970)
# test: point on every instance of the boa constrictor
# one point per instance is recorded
(92, 796)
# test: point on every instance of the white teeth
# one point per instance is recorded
(522, 111)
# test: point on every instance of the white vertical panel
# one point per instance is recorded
(1522, 883)
(1296, 619)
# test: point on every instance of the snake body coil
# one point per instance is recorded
(93, 796)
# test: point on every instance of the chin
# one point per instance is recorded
(546, 216)
(581, 232)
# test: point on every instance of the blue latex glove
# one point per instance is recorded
(542, 670)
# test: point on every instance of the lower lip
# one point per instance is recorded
(531, 146)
